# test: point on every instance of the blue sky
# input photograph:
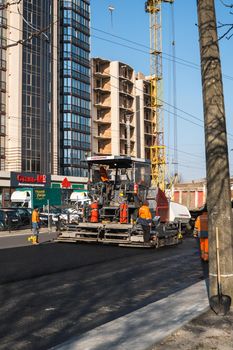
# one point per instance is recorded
(124, 36)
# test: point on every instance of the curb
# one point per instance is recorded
(143, 328)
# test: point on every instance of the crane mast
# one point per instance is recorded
(157, 149)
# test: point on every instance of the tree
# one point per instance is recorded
(229, 32)
(217, 164)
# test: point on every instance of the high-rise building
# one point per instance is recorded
(75, 139)
(45, 86)
(28, 86)
(113, 108)
(44, 90)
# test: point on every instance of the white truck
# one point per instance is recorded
(179, 213)
(79, 197)
(31, 197)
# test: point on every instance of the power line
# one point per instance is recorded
(37, 33)
(165, 103)
(178, 60)
(5, 6)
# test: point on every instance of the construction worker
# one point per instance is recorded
(201, 230)
(103, 174)
(145, 220)
(94, 211)
(35, 225)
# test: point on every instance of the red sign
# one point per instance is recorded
(65, 183)
(30, 179)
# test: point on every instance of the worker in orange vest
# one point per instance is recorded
(94, 211)
(103, 174)
(145, 219)
(35, 225)
(201, 228)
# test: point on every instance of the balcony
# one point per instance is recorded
(102, 137)
(102, 90)
(100, 102)
(126, 73)
(101, 70)
(102, 121)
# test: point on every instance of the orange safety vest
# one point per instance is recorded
(201, 225)
(94, 212)
(103, 174)
(123, 213)
(144, 213)
(35, 216)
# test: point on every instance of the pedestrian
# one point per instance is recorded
(145, 220)
(35, 225)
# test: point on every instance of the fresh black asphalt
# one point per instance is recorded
(55, 291)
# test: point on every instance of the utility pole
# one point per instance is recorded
(217, 165)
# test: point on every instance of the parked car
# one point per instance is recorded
(69, 215)
(9, 219)
(53, 212)
(24, 214)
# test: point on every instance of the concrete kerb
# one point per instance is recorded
(143, 328)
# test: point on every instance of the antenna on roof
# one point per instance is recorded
(111, 8)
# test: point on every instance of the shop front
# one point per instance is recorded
(12, 181)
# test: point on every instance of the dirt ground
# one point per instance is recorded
(207, 332)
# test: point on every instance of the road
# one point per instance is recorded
(19, 238)
(52, 292)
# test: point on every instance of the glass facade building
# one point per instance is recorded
(36, 87)
(45, 116)
(74, 49)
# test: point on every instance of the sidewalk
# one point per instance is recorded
(25, 231)
(143, 328)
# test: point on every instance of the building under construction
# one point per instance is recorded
(121, 110)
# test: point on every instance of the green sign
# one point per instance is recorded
(78, 186)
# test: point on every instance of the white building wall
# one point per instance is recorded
(115, 131)
(14, 91)
(140, 115)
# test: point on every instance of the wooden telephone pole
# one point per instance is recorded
(217, 165)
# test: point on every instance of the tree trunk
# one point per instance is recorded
(217, 165)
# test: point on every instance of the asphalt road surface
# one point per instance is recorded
(52, 292)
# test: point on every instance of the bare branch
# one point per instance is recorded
(226, 5)
(227, 32)
(32, 35)
(4, 6)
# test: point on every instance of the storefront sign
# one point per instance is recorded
(65, 183)
(30, 180)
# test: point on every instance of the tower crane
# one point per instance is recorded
(157, 149)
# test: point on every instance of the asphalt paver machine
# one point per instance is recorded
(117, 186)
